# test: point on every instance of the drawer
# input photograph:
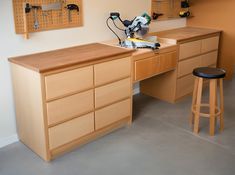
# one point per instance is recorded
(68, 82)
(209, 59)
(112, 70)
(71, 130)
(113, 113)
(190, 49)
(112, 92)
(185, 86)
(168, 61)
(186, 66)
(68, 107)
(146, 68)
(210, 44)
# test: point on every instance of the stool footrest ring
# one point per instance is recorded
(217, 110)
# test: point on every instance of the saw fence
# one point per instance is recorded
(41, 15)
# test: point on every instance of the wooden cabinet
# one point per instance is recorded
(61, 109)
(68, 82)
(158, 63)
(111, 71)
(69, 107)
(112, 92)
(185, 67)
(189, 49)
(202, 51)
(146, 68)
(118, 111)
(68, 131)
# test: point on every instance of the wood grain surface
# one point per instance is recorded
(52, 60)
(185, 33)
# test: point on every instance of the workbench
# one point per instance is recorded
(68, 97)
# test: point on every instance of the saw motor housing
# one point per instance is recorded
(140, 26)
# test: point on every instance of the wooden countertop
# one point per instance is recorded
(185, 33)
(52, 60)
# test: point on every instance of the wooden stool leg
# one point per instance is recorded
(221, 105)
(216, 101)
(198, 105)
(212, 105)
(193, 100)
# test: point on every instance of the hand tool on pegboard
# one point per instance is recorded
(25, 12)
(50, 8)
(70, 8)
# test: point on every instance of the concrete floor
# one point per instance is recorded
(160, 141)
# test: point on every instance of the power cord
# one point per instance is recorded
(107, 23)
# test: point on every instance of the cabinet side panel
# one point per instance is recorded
(29, 109)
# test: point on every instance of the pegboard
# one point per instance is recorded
(169, 8)
(47, 20)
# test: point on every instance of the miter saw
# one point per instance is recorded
(138, 26)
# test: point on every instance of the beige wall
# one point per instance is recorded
(218, 14)
(94, 30)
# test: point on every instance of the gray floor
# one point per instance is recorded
(160, 141)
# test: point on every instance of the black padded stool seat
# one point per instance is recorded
(209, 72)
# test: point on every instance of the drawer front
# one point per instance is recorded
(112, 70)
(168, 61)
(112, 92)
(185, 85)
(71, 130)
(146, 68)
(68, 82)
(190, 49)
(186, 66)
(210, 59)
(113, 113)
(68, 107)
(210, 44)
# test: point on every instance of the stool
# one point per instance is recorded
(211, 74)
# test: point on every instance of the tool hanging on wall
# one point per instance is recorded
(70, 8)
(185, 12)
(46, 8)
(26, 10)
(41, 15)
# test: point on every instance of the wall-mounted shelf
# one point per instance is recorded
(167, 9)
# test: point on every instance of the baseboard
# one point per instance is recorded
(8, 140)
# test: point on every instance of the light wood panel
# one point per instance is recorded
(210, 44)
(88, 138)
(112, 113)
(110, 93)
(189, 49)
(218, 17)
(69, 107)
(64, 58)
(111, 71)
(186, 66)
(68, 82)
(162, 86)
(168, 61)
(184, 86)
(209, 59)
(71, 130)
(146, 68)
(29, 109)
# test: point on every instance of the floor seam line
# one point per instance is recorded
(198, 136)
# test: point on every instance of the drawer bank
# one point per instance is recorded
(66, 98)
